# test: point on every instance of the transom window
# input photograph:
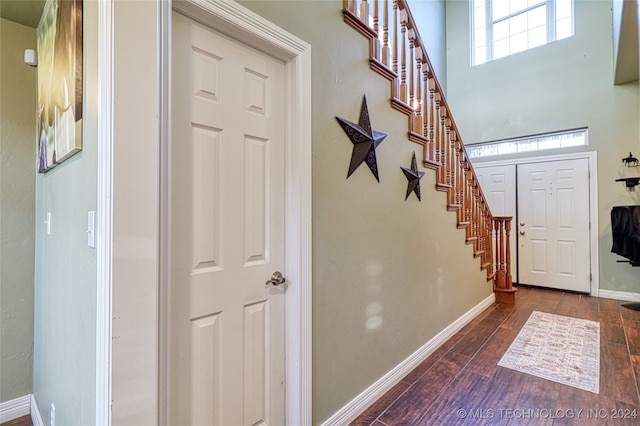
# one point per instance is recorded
(565, 139)
(504, 27)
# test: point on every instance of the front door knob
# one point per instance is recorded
(276, 279)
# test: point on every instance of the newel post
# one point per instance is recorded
(503, 281)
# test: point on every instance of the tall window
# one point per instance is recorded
(505, 27)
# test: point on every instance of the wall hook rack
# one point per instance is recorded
(630, 182)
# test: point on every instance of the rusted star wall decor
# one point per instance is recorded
(413, 176)
(364, 139)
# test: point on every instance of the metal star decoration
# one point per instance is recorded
(414, 176)
(364, 139)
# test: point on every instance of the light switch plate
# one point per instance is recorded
(47, 223)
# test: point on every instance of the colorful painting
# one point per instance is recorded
(59, 82)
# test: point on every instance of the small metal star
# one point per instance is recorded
(414, 176)
(364, 139)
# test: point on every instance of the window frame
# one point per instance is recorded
(537, 139)
(490, 22)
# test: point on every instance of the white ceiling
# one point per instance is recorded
(25, 12)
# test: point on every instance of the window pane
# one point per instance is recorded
(519, 43)
(537, 17)
(527, 145)
(537, 37)
(575, 139)
(563, 9)
(501, 30)
(489, 150)
(536, 2)
(501, 48)
(517, 5)
(500, 9)
(547, 143)
(507, 148)
(564, 28)
(480, 37)
(518, 24)
(479, 16)
(480, 55)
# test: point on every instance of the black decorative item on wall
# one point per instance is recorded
(631, 161)
(364, 139)
(413, 176)
(630, 182)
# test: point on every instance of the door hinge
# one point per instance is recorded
(590, 276)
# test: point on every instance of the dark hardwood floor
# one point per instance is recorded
(20, 421)
(460, 383)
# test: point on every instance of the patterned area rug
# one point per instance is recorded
(562, 349)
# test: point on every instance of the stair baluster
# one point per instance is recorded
(418, 94)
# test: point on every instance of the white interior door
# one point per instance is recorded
(498, 184)
(553, 224)
(227, 231)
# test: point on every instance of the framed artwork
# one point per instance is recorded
(60, 83)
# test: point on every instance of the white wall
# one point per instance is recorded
(17, 208)
(66, 276)
(562, 85)
(430, 19)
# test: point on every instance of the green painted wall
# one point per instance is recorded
(17, 204)
(65, 291)
(388, 274)
(562, 85)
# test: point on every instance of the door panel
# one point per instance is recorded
(553, 216)
(498, 184)
(227, 231)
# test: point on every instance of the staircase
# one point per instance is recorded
(397, 53)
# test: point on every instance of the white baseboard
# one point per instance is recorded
(23, 406)
(36, 417)
(15, 408)
(355, 407)
(619, 295)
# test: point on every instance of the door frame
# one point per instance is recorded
(238, 22)
(592, 157)
(104, 210)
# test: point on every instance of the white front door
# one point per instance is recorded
(498, 184)
(227, 231)
(553, 224)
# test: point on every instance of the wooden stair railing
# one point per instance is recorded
(398, 53)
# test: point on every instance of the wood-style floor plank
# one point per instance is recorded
(20, 421)
(373, 412)
(432, 359)
(408, 409)
(460, 383)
